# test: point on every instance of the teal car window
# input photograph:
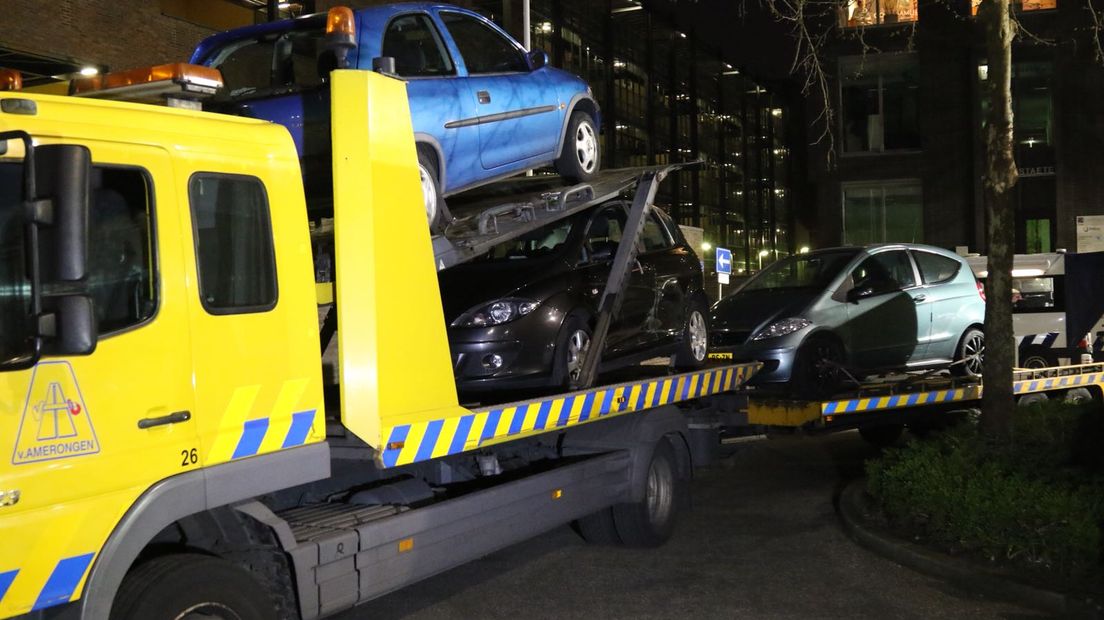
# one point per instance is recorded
(416, 47)
(885, 271)
(935, 269)
(802, 271)
(484, 49)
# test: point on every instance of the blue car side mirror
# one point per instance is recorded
(537, 59)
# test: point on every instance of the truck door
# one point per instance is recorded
(517, 110)
(255, 344)
(82, 437)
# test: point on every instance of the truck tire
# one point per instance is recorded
(579, 156)
(695, 338)
(648, 522)
(189, 585)
(651, 521)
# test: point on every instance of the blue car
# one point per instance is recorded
(482, 107)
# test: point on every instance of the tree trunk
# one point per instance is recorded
(1000, 178)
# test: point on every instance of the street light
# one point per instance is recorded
(804, 250)
(706, 246)
(762, 253)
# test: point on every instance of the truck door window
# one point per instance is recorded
(121, 274)
(236, 262)
(16, 326)
(484, 49)
(417, 49)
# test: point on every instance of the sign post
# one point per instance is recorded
(724, 269)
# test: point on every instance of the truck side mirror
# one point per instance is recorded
(384, 65)
(537, 59)
(58, 217)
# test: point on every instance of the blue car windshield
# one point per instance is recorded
(813, 271)
(15, 290)
(272, 62)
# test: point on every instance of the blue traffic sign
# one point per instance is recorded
(724, 260)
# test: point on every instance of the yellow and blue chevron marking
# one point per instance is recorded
(971, 392)
(254, 431)
(411, 443)
(59, 586)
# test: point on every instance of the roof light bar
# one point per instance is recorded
(151, 84)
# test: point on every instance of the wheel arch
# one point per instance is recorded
(184, 498)
(423, 142)
(579, 103)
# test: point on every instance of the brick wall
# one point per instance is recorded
(118, 33)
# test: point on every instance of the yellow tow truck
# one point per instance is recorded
(170, 442)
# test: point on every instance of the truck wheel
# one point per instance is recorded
(695, 339)
(971, 352)
(651, 521)
(578, 160)
(431, 192)
(186, 586)
(1034, 398)
(881, 436)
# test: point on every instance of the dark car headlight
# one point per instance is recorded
(496, 312)
(781, 328)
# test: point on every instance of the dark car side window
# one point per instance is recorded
(656, 236)
(233, 240)
(604, 234)
(936, 269)
(416, 47)
(484, 49)
(885, 271)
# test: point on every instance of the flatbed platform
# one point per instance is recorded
(887, 397)
(489, 425)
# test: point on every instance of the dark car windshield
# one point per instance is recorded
(543, 242)
(813, 271)
(274, 61)
(15, 294)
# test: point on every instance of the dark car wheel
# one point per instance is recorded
(578, 160)
(970, 356)
(695, 338)
(571, 351)
(816, 371)
(431, 192)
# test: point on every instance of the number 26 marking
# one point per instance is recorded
(189, 457)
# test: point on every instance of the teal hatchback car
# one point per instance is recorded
(814, 318)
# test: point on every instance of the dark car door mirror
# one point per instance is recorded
(537, 59)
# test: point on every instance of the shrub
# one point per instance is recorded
(1035, 500)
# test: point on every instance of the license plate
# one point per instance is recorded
(720, 355)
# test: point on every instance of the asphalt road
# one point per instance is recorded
(762, 541)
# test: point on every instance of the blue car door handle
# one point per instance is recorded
(484, 96)
(919, 298)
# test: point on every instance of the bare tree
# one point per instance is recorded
(998, 182)
(811, 31)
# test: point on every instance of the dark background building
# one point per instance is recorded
(666, 94)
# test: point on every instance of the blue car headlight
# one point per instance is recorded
(781, 328)
(496, 312)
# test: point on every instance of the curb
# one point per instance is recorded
(853, 512)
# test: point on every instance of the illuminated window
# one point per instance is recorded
(1025, 5)
(857, 13)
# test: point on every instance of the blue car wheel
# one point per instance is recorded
(578, 160)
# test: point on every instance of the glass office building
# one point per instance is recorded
(667, 97)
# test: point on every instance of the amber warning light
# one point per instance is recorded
(10, 79)
(178, 84)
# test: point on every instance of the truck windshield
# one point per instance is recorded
(16, 342)
(802, 271)
(274, 62)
